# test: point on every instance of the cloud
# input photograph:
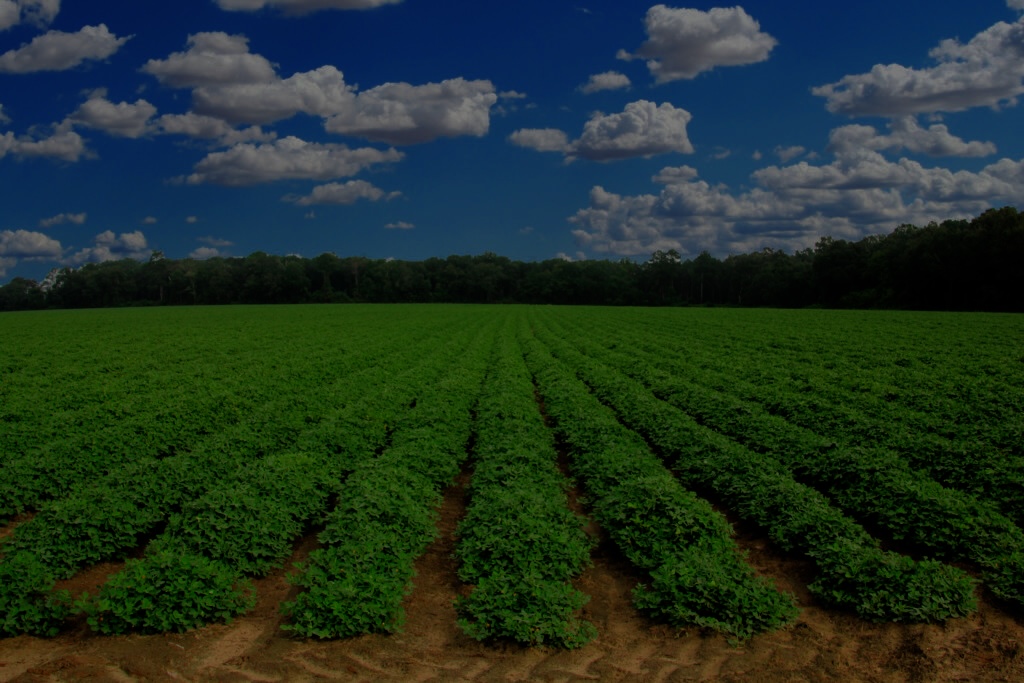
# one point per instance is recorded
(59, 51)
(609, 80)
(404, 114)
(236, 86)
(191, 220)
(321, 92)
(907, 133)
(37, 12)
(988, 71)
(301, 6)
(210, 128)
(149, 220)
(859, 193)
(787, 153)
(343, 193)
(672, 175)
(216, 241)
(541, 139)
(643, 129)
(1015, 4)
(212, 59)
(109, 247)
(4, 118)
(64, 144)
(24, 244)
(683, 43)
(121, 119)
(203, 253)
(287, 158)
(76, 218)
(400, 225)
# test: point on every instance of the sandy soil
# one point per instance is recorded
(822, 646)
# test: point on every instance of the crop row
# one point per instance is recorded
(852, 571)
(969, 465)
(872, 485)
(697, 574)
(857, 382)
(519, 545)
(165, 418)
(883, 359)
(207, 495)
(386, 512)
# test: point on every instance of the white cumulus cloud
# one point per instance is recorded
(203, 253)
(301, 6)
(287, 158)
(321, 92)
(400, 225)
(76, 218)
(987, 71)
(609, 80)
(405, 114)
(25, 244)
(787, 153)
(213, 58)
(541, 139)
(122, 119)
(907, 133)
(343, 193)
(642, 129)
(59, 51)
(64, 145)
(108, 246)
(234, 85)
(37, 12)
(683, 43)
(210, 128)
(859, 192)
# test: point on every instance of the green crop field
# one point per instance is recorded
(200, 445)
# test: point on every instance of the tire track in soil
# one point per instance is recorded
(256, 630)
(823, 646)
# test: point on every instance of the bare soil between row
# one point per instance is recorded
(822, 646)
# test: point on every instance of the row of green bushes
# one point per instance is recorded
(852, 571)
(872, 485)
(387, 509)
(697, 574)
(222, 492)
(519, 545)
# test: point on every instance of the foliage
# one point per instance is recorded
(28, 603)
(519, 544)
(698, 574)
(207, 441)
(955, 265)
(525, 607)
(168, 591)
(796, 517)
(387, 507)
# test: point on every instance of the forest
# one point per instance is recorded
(956, 265)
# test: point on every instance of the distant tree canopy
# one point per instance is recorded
(955, 265)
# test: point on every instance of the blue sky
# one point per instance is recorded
(536, 129)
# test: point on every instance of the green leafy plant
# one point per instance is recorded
(169, 591)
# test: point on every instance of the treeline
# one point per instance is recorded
(955, 265)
